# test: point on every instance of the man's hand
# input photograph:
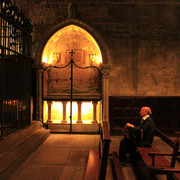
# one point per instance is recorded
(129, 125)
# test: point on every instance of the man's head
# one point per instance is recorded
(145, 111)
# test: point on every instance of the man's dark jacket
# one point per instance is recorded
(145, 132)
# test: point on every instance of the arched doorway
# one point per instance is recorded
(81, 108)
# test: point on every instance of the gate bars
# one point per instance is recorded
(15, 69)
(71, 62)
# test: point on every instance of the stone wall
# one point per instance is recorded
(142, 38)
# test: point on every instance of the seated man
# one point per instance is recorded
(141, 135)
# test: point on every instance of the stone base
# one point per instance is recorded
(12, 140)
(76, 128)
(17, 147)
(59, 127)
(85, 128)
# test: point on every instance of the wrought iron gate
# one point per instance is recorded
(15, 69)
(72, 97)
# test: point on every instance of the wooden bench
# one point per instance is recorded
(177, 133)
(116, 167)
(98, 159)
(156, 161)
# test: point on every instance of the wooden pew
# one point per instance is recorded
(156, 161)
(98, 159)
(178, 140)
(116, 167)
(177, 133)
(92, 170)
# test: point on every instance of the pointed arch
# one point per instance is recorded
(105, 66)
(73, 21)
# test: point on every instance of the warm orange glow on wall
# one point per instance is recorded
(87, 112)
(57, 112)
(74, 112)
(45, 111)
(74, 38)
(95, 59)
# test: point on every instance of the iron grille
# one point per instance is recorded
(15, 69)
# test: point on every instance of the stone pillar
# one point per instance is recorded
(31, 109)
(94, 111)
(64, 121)
(79, 111)
(39, 106)
(105, 85)
(49, 121)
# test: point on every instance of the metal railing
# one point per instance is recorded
(15, 69)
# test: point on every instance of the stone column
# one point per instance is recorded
(39, 105)
(79, 111)
(64, 121)
(94, 111)
(49, 121)
(31, 109)
(105, 98)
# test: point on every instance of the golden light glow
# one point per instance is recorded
(95, 59)
(57, 112)
(45, 112)
(74, 112)
(87, 112)
(71, 37)
(50, 59)
(44, 60)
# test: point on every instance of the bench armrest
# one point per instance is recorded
(159, 154)
(117, 166)
(165, 170)
(177, 136)
(153, 154)
(92, 169)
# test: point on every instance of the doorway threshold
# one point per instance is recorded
(76, 128)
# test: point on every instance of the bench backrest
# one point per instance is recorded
(104, 145)
(177, 133)
(98, 159)
(171, 143)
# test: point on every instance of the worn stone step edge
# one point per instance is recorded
(19, 154)
(17, 137)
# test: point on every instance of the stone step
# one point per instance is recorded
(76, 128)
(59, 128)
(12, 159)
(9, 142)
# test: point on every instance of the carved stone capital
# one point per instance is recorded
(105, 69)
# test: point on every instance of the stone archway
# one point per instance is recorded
(74, 21)
(104, 66)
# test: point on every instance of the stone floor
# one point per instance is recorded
(64, 157)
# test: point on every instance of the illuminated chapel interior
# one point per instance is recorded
(86, 86)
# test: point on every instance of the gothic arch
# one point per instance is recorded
(73, 21)
(104, 67)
